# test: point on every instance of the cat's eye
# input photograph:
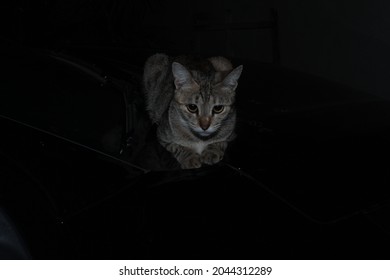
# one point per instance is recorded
(192, 108)
(218, 109)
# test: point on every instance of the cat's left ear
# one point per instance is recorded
(231, 80)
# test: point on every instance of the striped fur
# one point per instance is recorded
(192, 102)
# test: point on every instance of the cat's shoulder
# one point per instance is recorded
(220, 63)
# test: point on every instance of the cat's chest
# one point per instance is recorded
(198, 147)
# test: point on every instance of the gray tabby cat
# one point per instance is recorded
(192, 102)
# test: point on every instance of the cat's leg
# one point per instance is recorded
(213, 153)
(187, 158)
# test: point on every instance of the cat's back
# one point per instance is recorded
(157, 83)
(156, 69)
(195, 64)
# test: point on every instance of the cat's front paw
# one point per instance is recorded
(191, 162)
(211, 157)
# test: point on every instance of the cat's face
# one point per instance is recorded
(203, 106)
(204, 113)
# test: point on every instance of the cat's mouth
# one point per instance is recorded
(204, 134)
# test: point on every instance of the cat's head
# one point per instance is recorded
(205, 100)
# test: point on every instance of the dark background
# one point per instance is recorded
(345, 41)
(310, 167)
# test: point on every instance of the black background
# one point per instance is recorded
(308, 174)
(345, 41)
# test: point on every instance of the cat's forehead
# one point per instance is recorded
(207, 79)
(203, 78)
(205, 93)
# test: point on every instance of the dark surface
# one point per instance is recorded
(307, 177)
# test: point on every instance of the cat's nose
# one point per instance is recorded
(205, 127)
(204, 123)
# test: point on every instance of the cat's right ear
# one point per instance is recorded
(231, 80)
(182, 77)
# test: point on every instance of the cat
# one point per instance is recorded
(192, 102)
